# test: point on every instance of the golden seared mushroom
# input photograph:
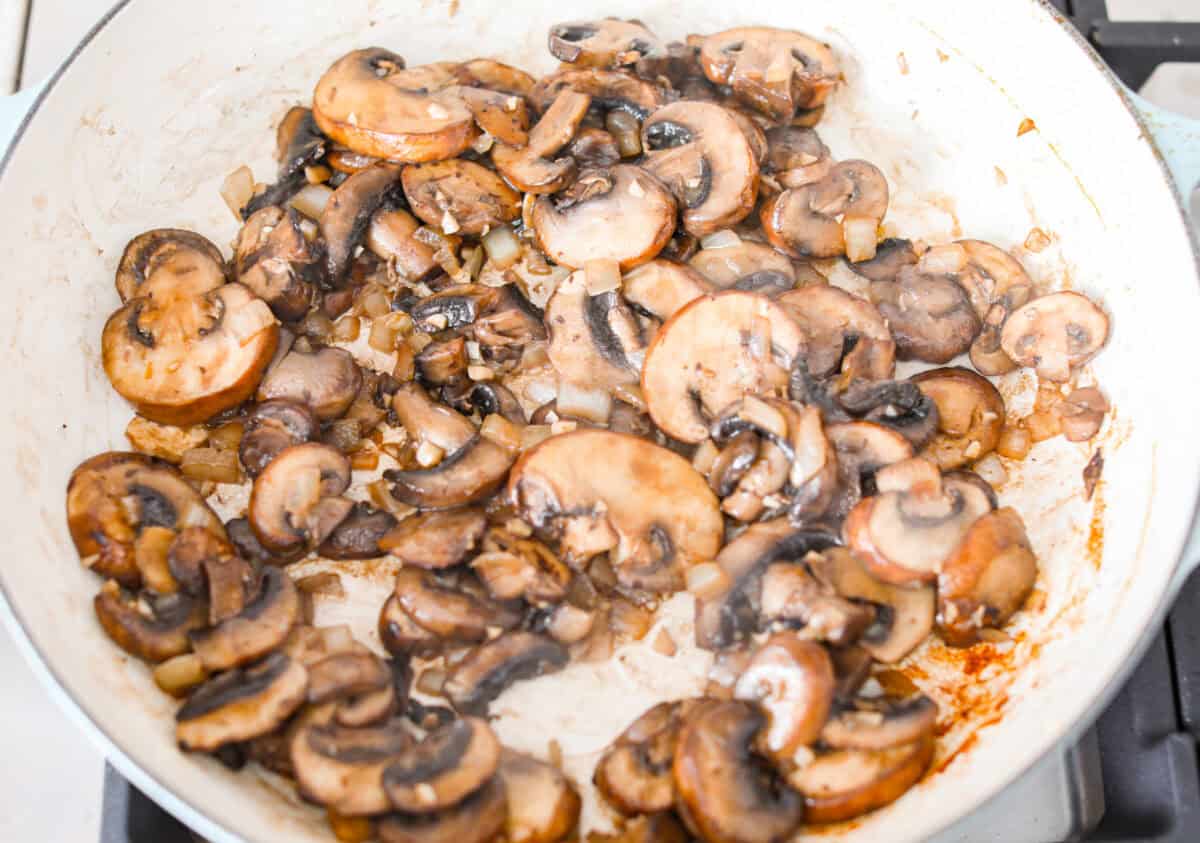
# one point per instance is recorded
(662, 287)
(796, 156)
(262, 626)
(592, 147)
(602, 491)
(273, 425)
(390, 237)
(460, 196)
(621, 214)
(727, 794)
(203, 564)
(713, 352)
(185, 345)
(907, 533)
(862, 448)
(444, 768)
(891, 255)
(511, 568)
(610, 90)
(490, 399)
(471, 467)
(370, 102)
(479, 818)
(274, 259)
(1082, 413)
(930, 316)
(491, 668)
(117, 501)
(342, 768)
(533, 168)
(791, 680)
(792, 596)
(608, 44)
(698, 150)
(728, 610)
(843, 333)
(987, 580)
(836, 216)
(543, 806)
(401, 635)
(241, 704)
(359, 536)
(747, 265)
(776, 71)
(297, 499)
(847, 783)
(881, 723)
(1054, 334)
(451, 614)
(346, 218)
(326, 381)
(364, 689)
(970, 415)
(151, 627)
(436, 540)
(635, 773)
(903, 615)
(596, 341)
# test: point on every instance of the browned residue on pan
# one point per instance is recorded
(1095, 537)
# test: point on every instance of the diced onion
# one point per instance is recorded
(992, 470)
(592, 405)
(431, 681)
(941, 260)
(706, 580)
(179, 675)
(502, 246)
(501, 431)
(347, 329)
(311, 199)
(705, 456)
(1043, 425)
(570, 624)
(720, 239)
(533, 434)
(238, 189)
(210, 464)
(862, 235)
(429, 454)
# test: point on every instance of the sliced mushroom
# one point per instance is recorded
(241, 704)
(297, 500)
(359, 535)
(488, 399)
(662, 287)
(898, 405)
(1082, 413)
(512, 568)
(460, 196)
(793, 596)
(930, 316)
(745, 265)
(203, 564)
(843, 334)
(185, 345)
(435, 540)
(737, 455)
(369, 102)
(326, 381)
(647, 506)
(698, 150)
(891, 255)
(610, 90)
(449, 613)
(777, 71)
(661, 827)
(635, 772)
(592, 147)
(443, 362)
(450, 764)
(847, 783)
(970, 415)
(347, 216)
(479, 818)
(987, 580)
(716, 350)
(114, 497)
(811, 221)
(401, 635)
(533, 168)
(543, 806)
(492, 668)
(151, 627)
(596, 341)
(273, 425)
(274, 259)
(299, 145)
(390, 237)
(791, 680)
(1055, 333)
(876, 724)
(726, 793)
(796, 156)
(241, 535)
(342, 768)
(258, 629)
(609, 43)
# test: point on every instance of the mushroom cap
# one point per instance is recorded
(359, 535)
(154, 635)
(468, 475)
(346, 218)
(402, 636)
(543, 806)
(608, 43)
(930, 316)
(450, 764)
(276, 262)
(847, 783)
(621, 214)
(970, 413)
(342, 768)
(713, 352)
(368, 101)
(725, 793)
(609, 89)
(635, 772)
(1055, 333)
(986, 272)
(699, 151)
(796, 156)
(471, 195)
(296, 500)
(533, 167)
(271, 426)
(791, 679)
(326, 381)
(596, 341)
(477, 819)
(262, 626)
(659, 508)
(149, 248)
(447, 612)
(662, 287)
(489, 669)
(777, 71)
(833, 321)
(436, 540)
(803, 221)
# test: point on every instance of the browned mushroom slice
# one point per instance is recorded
(488, 399)
(988, 580)
(794, 597)
(258, 629)
(609, 89)
(146, 250)
(608, 44)
(596, 341)
(875, 724)
(828, 218)
(847, 783)
(662, 827)
(907, 533)
(427, 421)
(1055, 333)
(447, 612)
(580, 483)
(726, 794)
(271, 426)
(450, 764)
(621, 214)
(187, 346)
(592, 147)
(479, 818)
(401, 635)
(495, 76)
(297, 501)
(843, 334)
(359, 536)
(326, 380)
(891, 255)
(533, 168)
(930, 315)
(543, 806)
(342, 768)
(490, 669)
(745, 265)
(346, 674)
(970, 414)
(777, 71)
(114, 497)
(635, 772)
(274, 259)
(663, 287)
(371, 103)
(241, 704)
(862, 448)
(152, 627)
(299, 145)
(716, 350)
(796, 156)
(460, 196)
(390, 237)
(203, 564)
(347, 215)
(791, 679)
(435, 540)
(698, 150)
(503, 116)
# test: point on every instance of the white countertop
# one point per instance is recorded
(50, 784)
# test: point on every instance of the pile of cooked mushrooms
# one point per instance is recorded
(558, 349)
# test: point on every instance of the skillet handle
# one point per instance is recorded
(13, 110)
(1177, 138)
